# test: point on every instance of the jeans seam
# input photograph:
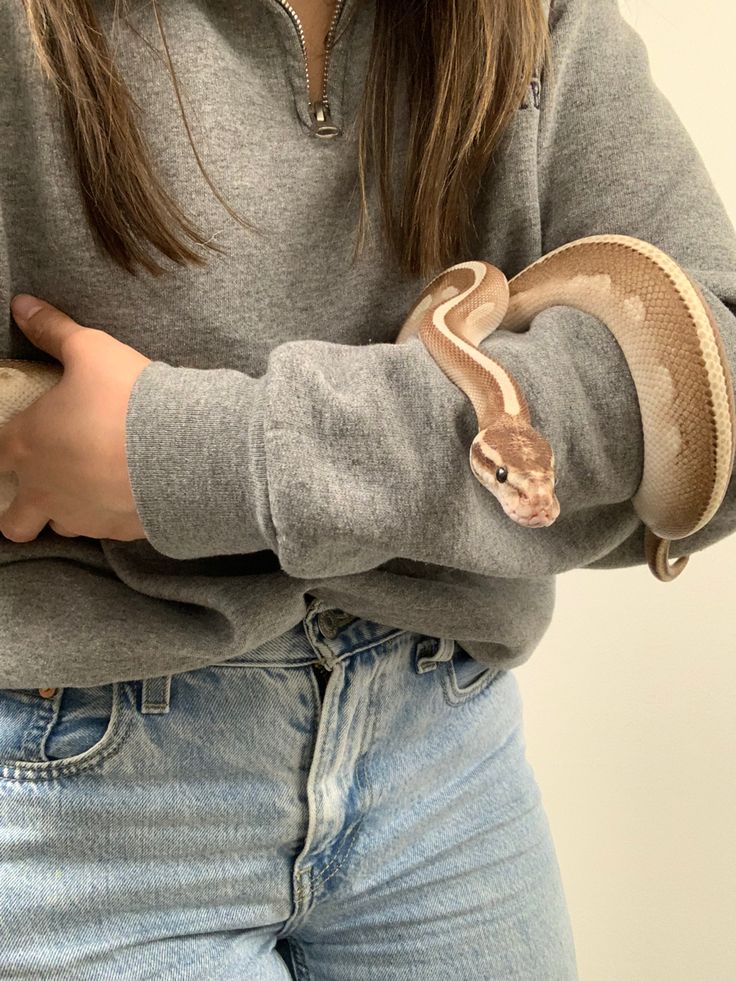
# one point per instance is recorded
(314, 660)
(371, 644)
(38, 730)
(321, 878)
(454, 695)
(298, 960)
(302, 892)
(265, 664)
(365, 788)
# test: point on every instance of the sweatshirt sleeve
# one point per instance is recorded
(342, 457)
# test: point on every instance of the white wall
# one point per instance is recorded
(629, 700)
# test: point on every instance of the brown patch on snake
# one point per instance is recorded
(670, 342)
(525, 452)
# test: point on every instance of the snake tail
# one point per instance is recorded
(657, 550)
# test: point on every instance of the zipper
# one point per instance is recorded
(322, 673)
(319, 112)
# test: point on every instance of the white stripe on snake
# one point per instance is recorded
(671, 343)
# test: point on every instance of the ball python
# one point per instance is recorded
(667, 333)
(669, 337)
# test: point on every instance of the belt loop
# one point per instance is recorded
(445, 648)
(156, 695)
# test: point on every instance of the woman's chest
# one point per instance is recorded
(290, 276)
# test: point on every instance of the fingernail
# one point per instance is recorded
(24, 306)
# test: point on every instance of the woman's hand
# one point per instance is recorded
(68, 447)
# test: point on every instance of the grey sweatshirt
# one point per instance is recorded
(279, 444)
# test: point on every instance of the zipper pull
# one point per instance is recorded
(323, 126)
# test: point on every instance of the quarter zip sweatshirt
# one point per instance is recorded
(280, 445)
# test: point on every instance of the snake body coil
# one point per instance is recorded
(667, 333)
(672, 345)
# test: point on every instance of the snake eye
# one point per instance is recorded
(501, 474)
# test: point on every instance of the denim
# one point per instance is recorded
(234, 822)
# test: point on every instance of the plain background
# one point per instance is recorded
(629, 699)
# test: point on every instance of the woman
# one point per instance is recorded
(258, 717)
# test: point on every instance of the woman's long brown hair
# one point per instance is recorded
(467, 67)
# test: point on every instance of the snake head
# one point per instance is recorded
(516, 464)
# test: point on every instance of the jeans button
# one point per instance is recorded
(327, 625)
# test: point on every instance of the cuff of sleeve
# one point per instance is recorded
(197, 461)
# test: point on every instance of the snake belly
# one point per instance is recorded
(21, 383)
(672, 345)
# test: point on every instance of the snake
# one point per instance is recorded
(668, 335)
(670, 340)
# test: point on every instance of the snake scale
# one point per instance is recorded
(670, 340)
(666, 331)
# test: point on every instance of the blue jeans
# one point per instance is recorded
(373, 819)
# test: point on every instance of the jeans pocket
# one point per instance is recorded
(464, 678)
(71, 731)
